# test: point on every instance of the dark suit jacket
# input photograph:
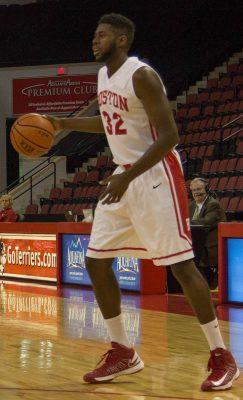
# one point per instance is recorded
(210, 215)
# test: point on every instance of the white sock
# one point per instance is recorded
(116, 330)
(213, 335)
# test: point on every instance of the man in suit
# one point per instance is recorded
(205, 210)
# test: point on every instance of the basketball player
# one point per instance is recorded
(143, 211)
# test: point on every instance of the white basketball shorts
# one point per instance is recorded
(150, 221)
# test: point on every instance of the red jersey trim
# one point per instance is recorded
(121, 248)
(172, 255)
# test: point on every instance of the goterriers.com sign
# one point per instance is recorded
(52, 94)
(29, 256)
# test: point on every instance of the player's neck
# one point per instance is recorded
(115, 63)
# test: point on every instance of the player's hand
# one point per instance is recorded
(56, 122)
(116, 187)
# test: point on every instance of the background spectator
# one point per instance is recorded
(7, 214)
(205, 210)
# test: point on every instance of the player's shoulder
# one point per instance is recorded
(145, 72)
(213, 202)
(146, 77)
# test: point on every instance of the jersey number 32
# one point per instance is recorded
(114, 124)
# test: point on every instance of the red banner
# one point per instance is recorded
(53, 94)
(29, 256)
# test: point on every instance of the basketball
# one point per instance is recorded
(32, 135)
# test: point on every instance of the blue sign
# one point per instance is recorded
(74, 248)
(236, 334)
(235, 269)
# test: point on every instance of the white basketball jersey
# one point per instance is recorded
(126, 123)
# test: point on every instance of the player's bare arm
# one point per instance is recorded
(80, 124)
(149, 89)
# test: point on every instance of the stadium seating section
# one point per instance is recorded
(210, 125)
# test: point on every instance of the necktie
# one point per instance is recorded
(196, 213)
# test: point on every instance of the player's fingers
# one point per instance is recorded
(56, 123)
(105, 181)
(103, 195)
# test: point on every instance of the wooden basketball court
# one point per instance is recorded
(50, 338)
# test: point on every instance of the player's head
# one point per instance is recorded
(6, 201)
(114, 34)
(199, 189)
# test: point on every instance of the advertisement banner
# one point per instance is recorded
(74, 248)
(58, 94)
(28, 256)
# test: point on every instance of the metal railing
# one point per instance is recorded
(31, 181)
(234, 133)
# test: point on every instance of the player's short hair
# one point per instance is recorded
(122, 23)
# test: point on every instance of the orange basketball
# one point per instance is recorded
(32, 135)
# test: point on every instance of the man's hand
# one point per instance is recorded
(56, 122)
(116, 187)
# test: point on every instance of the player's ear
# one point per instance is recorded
(122, 40)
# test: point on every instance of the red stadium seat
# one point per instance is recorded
(240, 205)
(53, 209)
(228, 95)
(213, 183)
(31, 209)
(79, 177)
(55, 193)
(101, 161)
(212, 83)
(233, 67)
(215, 96)
(203, 97)
(193, 112)
(222, 167)
(231, 184)
(191, 98)
(231, 165)
(208, 111)
(66, 194)
(206, 167)
(239, 149)
(209, 151)
(92, 176)
(224, 82)
(224, 201)
(238, 80)
(233, 204)
(222, 183)
(239, 166)
(239, 184)
(45, 209)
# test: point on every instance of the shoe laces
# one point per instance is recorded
(216, 363)
(106, 357)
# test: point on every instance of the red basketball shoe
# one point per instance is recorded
(224, 371)
(119, 360)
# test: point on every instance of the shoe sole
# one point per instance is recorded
(227, 386)
(129, 371)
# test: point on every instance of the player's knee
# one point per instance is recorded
(183, 271)
(97, 267)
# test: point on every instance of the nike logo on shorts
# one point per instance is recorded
(155, 186)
